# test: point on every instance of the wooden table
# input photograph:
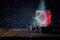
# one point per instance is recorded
(23, 33)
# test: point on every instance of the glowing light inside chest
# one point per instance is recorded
(43, 17)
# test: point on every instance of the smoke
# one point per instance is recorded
(37, 19)
(41, 5)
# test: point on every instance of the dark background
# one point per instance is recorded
(19, 13)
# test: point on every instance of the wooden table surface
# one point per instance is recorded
(22, 33)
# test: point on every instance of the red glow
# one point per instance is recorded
(48, 17)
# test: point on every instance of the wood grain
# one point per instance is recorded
(23, 33)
